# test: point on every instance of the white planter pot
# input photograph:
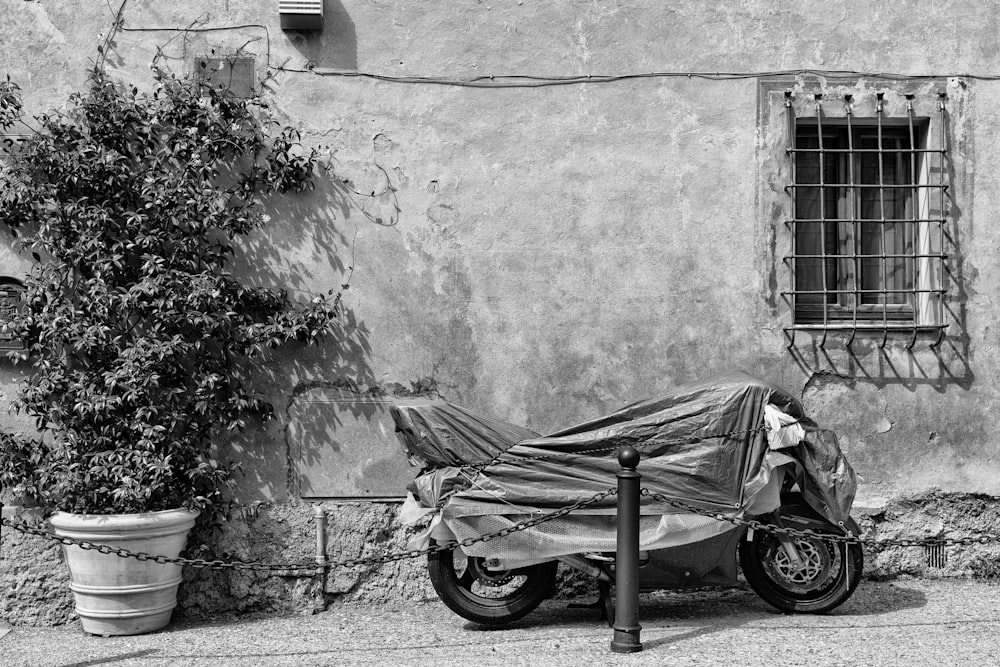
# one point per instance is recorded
(124, 596)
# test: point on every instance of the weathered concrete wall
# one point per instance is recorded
(34, 582)
(548, 254)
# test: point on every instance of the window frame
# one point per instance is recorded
(927, 116)
(844, 228)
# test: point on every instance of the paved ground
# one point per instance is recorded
(907, 622)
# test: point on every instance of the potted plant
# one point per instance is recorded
(141, 341)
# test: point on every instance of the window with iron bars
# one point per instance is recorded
(868, 221)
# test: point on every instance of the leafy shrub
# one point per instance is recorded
(140, 338)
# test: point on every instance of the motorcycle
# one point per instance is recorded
(732, 470)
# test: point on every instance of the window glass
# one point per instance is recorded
(855, 227)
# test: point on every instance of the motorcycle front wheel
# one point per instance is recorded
(488, 597)
(826, 576)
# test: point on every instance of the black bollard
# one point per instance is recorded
(627, 628)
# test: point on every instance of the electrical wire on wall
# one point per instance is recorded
(533, 81)
(512, 80)
(496, 81)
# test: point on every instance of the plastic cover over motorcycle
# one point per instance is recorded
(703, 444)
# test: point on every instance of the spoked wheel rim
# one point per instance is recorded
(828, 573)
(486, 586)
(488, 596)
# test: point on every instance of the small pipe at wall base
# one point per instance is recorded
(320, 514)
(321, 570)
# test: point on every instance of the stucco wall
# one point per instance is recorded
(548, 254)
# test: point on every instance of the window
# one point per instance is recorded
(868, 200)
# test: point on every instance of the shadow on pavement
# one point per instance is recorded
(114, 659)
(714, 609)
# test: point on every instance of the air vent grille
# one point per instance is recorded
(937, 557)
(300, 7)
(301, 14)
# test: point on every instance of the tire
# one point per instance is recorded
(822, 584)
(487, 597)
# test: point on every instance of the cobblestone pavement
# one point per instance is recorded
(903, 622)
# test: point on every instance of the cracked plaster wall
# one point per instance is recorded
(548, 254)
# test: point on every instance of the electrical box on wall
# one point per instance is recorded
(234, 73)
(301, 14)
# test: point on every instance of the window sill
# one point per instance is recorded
(902, 327)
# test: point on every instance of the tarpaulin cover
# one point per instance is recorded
(705, 444)
(436, 433)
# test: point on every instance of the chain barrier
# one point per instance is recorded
(311, 567)
(846, 538)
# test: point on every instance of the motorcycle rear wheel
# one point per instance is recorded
(827, 576)
(488, 597)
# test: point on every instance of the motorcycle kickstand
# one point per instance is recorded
(604, 602)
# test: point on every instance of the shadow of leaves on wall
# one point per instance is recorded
(332, 436)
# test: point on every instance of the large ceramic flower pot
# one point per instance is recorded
(124, 596)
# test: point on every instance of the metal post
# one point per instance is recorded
(627, 628)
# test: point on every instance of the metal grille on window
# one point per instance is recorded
(869, 221)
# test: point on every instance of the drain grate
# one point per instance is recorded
(935, 555)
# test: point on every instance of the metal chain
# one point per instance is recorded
(353, 562)
(24, 527)
(847, 538)
(312, 567)
(469, 541)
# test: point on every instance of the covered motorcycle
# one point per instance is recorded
(712, 453)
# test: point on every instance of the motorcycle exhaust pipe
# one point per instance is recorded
(581, 564)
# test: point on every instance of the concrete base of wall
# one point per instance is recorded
(34, 581)
(929, 516)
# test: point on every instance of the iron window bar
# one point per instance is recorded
(941, 202)
(915, 197)
(920, 261)
(822, 212)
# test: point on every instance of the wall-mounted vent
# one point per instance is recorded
(301, 14)
(936, 556)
